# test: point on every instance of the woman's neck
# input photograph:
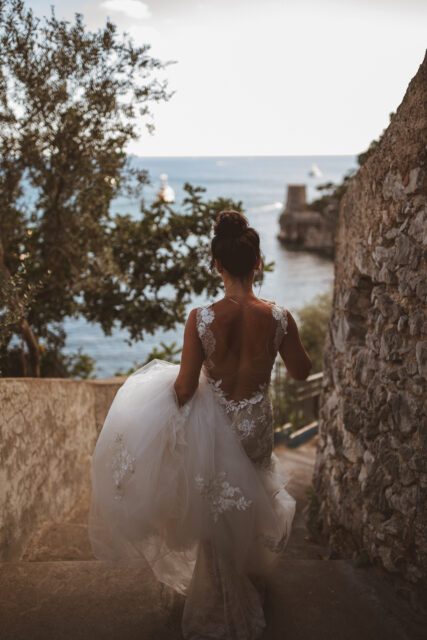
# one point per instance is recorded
(238, 289)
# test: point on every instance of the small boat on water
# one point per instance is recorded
(315, 172)
(165, 193)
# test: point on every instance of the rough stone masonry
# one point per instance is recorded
(371, 467)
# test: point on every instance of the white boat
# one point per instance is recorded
(315, 171)
(165, 193)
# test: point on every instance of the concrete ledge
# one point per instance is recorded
(48, 429)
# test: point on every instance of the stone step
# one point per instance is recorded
(332, 600)
(69, 541)
(59, 541)
(307, 600)
(58, 591)
(84, 600)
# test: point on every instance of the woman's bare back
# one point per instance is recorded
(240, 340)
(236, 341)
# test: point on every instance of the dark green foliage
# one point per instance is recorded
(169, 352)
(313, 321)
(286, 408)
(329, 201)
(70, 101)
(313, 326)
(16, 295)
(55, 363)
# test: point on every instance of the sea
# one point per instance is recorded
(260, 183)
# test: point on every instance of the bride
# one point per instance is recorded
(184, 477)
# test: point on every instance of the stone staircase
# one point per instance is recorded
(57, 591)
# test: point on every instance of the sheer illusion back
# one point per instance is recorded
(240, 343)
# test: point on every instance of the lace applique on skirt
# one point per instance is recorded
(251, 419)
(122, 463)
(221, 495)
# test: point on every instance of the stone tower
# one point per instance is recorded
(301, 227)
(296, 198)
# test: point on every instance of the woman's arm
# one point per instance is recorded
(295, 357)
(192, 358)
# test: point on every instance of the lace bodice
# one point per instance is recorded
(250, 416)
(204, 319)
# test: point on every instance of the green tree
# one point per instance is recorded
(70, 101)
(313, 326)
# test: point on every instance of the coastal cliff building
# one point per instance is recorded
(302, 228)
(371, 466)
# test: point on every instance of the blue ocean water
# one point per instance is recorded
(260, 183)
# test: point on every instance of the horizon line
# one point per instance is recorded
(261, 155)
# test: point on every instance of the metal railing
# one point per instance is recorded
(295, 405)
(307, 392)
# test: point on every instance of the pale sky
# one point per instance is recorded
(269, 77)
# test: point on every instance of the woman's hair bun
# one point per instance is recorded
(235, 245)
(230, 224)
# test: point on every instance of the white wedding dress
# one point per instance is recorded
(195, 491)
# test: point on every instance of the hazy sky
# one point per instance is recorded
(270, 77)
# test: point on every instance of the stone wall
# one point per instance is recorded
(48, 430)
(371, 466)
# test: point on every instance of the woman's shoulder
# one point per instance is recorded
(195, 311)
(281, 316)
(275, 306)
(202, 314)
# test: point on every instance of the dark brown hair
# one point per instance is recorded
(235, 244)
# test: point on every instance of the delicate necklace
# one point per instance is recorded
(236, 298)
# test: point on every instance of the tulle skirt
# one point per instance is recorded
(173, 486)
